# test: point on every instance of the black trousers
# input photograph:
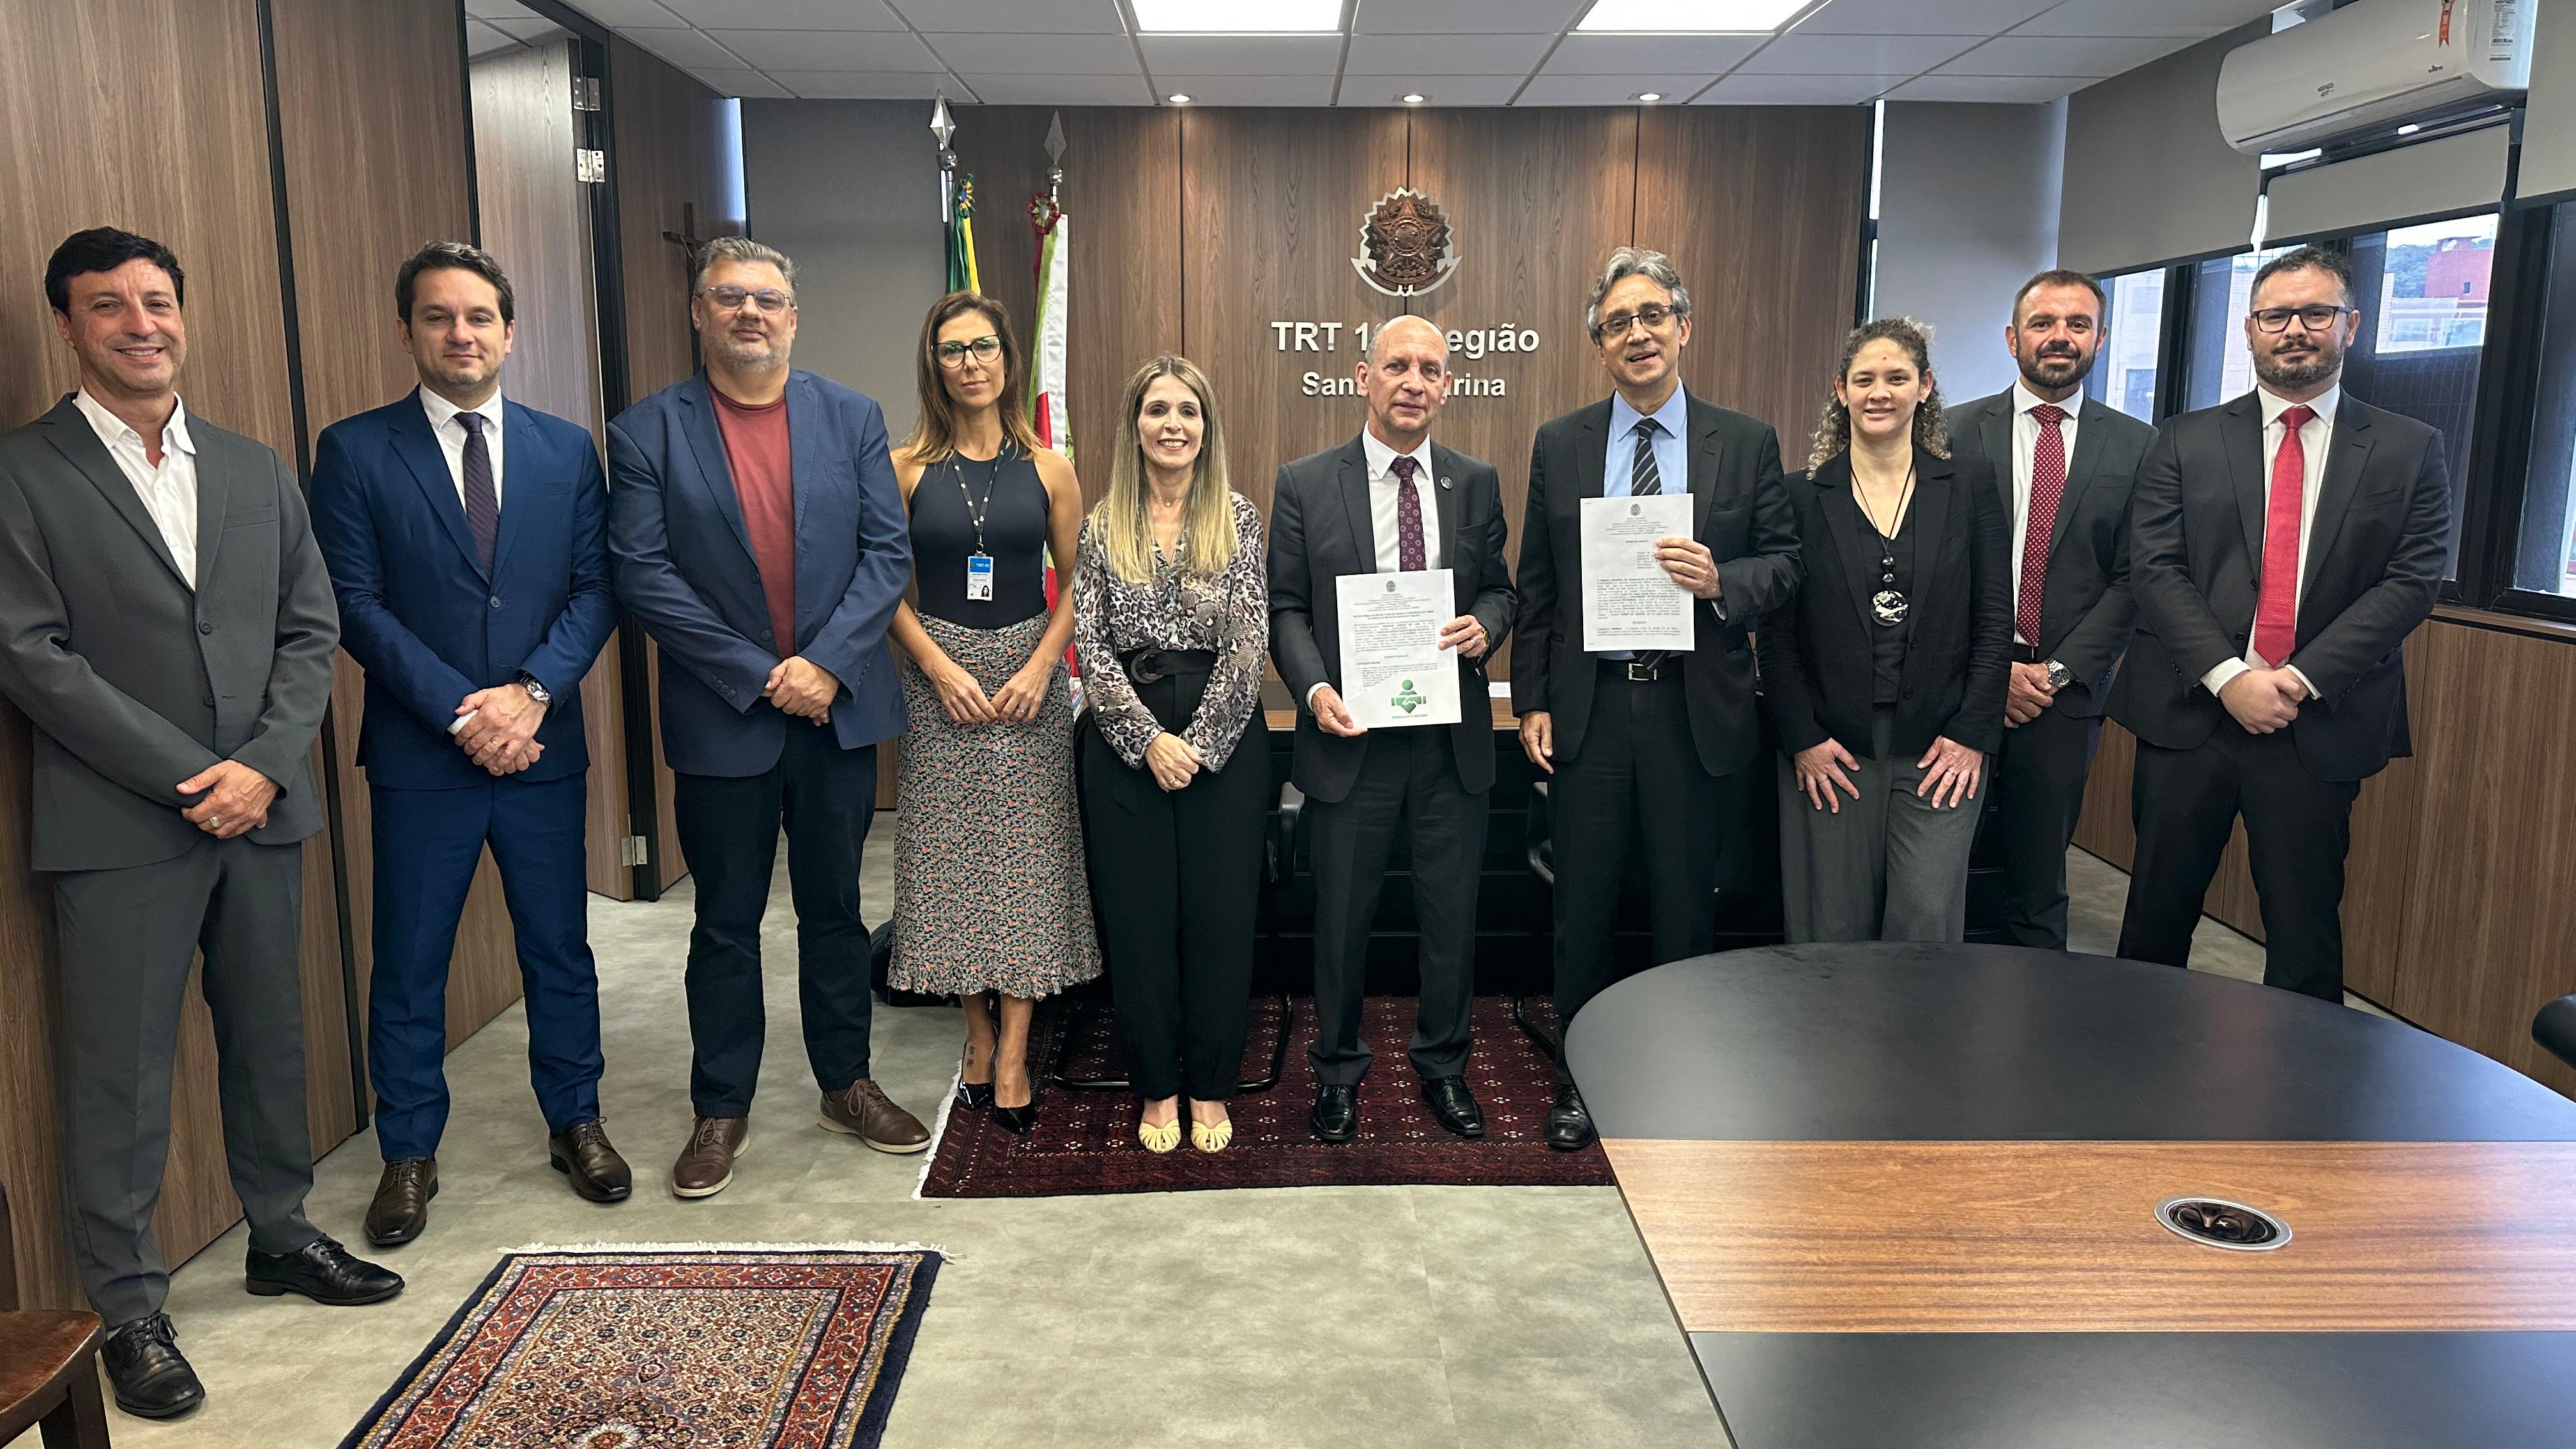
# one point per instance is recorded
(1178, 878)
(1636, 801)
(2298, 829)
(1408, 782)
(826, 796)
(2039, 794)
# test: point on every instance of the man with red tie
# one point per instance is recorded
(2065, 463)
(2285, 544)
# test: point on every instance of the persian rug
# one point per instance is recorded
(1085, 1142)
(621, 1348)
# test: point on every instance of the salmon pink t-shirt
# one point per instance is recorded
(764, 479)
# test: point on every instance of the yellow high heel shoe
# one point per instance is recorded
(1158, 1139)
(1211, 1139)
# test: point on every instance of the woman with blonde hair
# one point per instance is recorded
(991, 902)
(1886, 673)
(1172, 618)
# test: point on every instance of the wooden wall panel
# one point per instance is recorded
(1761, 208)
(1122, 187)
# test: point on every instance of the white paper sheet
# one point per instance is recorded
(1394, 672)
(1629, 601)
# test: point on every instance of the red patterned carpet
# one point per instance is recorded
(1085, 1142)
(618, 1350)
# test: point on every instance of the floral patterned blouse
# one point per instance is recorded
(1229, 614)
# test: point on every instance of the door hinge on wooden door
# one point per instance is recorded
(585, 93)
(590, 166)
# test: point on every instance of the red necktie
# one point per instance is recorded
(1409, 554)
(2047, 487)
(2276, 608)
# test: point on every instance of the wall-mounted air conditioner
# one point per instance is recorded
(2373, 65)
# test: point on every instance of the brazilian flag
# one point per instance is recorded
(961, 239)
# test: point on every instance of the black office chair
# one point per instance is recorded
(2555, 1028)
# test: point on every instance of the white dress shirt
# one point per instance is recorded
(2314, 438)
(446, 425)
(2025, 450)
(1382, 485)
(169, 492)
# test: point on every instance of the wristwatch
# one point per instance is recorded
(539, 693)
(2059, 676)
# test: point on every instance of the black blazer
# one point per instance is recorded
(1319, 531)
(1819, 670)
(2377, 548)
(1742, 516)
(2086, 609)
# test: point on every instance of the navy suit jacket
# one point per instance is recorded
(419, 612)
(685, 570)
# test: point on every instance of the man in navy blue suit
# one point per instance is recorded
(467, 541)
(761, 540)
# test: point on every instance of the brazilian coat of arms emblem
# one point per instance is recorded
(1404, 245)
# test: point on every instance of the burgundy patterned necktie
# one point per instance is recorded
(2047, 488)
(1409, 553)
(482, 500)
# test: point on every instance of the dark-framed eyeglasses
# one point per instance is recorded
(954, 354)
(2316, 317)
(1654, 315)
(769, 300)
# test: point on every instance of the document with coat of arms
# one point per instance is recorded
(1394, 672)
(1629, 601)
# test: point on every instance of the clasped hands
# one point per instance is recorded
(1463, 634)
(802, 688)
(2264, 700)
(2028, 693)
(500, 728)
(236, 800)
(1016, 702)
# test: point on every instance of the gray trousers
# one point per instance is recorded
(1888, 866)
(127, 937)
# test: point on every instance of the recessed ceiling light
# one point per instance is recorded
(1650, 97)
(1413, 98)
(1178, 98)
(2408, 130)
(1239, 17)
(1689, 17)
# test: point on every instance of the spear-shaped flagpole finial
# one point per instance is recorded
(1055, 154)
(941, 126)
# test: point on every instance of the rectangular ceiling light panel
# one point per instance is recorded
(1690, 17)
(1239, 17)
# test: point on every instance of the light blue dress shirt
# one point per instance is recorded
(1672, 456)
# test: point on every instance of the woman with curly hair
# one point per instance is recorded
(1886, 673)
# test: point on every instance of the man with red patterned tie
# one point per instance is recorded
(2284, 545)
(2065, 463)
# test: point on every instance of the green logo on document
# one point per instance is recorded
(1407, 699)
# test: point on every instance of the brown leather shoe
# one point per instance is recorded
(864, 1111)
(705, 1167)
(401, 1208)
(581, 1153)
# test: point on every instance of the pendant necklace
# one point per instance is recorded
(1889, 605)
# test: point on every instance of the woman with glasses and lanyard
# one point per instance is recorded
(991, 901)
(1886, 673)
(1172, 615)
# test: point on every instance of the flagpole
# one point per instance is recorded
(943, 129)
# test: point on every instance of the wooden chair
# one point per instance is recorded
(48, 1364)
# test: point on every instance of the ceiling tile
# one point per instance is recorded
(1804, 54)
(1445, 90)
(1605, 90)
(1249, 90)
(530, 30)
(779, 14)
(1059, 90)
(749, 83)
(1444, 54)
(621, 14)
(1744, 89)
(861, 85)
(482, 40)
(1251, 55)
(2018, 55)
(850, 50)
(1004, 54)
(1925, 17)
(2023, 89)
(2185, 18)
(1048, 17)
(497, 9)
(1622, 54)
(687, 49)
(1468, 17)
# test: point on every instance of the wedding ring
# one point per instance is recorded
(216, 821)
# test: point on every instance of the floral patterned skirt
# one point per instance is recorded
(990, 891)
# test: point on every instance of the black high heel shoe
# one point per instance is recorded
(1018, 1121)
(973, 1096)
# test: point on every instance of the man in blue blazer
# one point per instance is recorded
(467, 542)
(762, 542)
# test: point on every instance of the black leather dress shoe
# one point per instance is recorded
(1454, 1105)
(1569, 1122)
(581, 1153)
(324, 1272)
(151, 1378)
(401, 1208)
(1336, 1117)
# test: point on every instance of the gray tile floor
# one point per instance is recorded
(1351, 1317)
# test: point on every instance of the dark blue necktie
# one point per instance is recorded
(482, 500)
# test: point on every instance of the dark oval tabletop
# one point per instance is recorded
(1896, 1041)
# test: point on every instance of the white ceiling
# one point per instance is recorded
(1455, 52)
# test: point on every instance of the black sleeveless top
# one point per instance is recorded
(1015, 534)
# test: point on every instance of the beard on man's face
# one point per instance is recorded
(2055, 365)
(2298, 367)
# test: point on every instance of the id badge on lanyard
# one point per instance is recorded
(979, 578)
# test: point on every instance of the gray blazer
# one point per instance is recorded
(136, 682)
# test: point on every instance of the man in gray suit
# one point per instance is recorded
(166, 623)
(1388, 501)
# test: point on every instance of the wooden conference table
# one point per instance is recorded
(1903, 1197)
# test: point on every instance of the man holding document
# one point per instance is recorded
(1657, 534)
(1388, 591)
